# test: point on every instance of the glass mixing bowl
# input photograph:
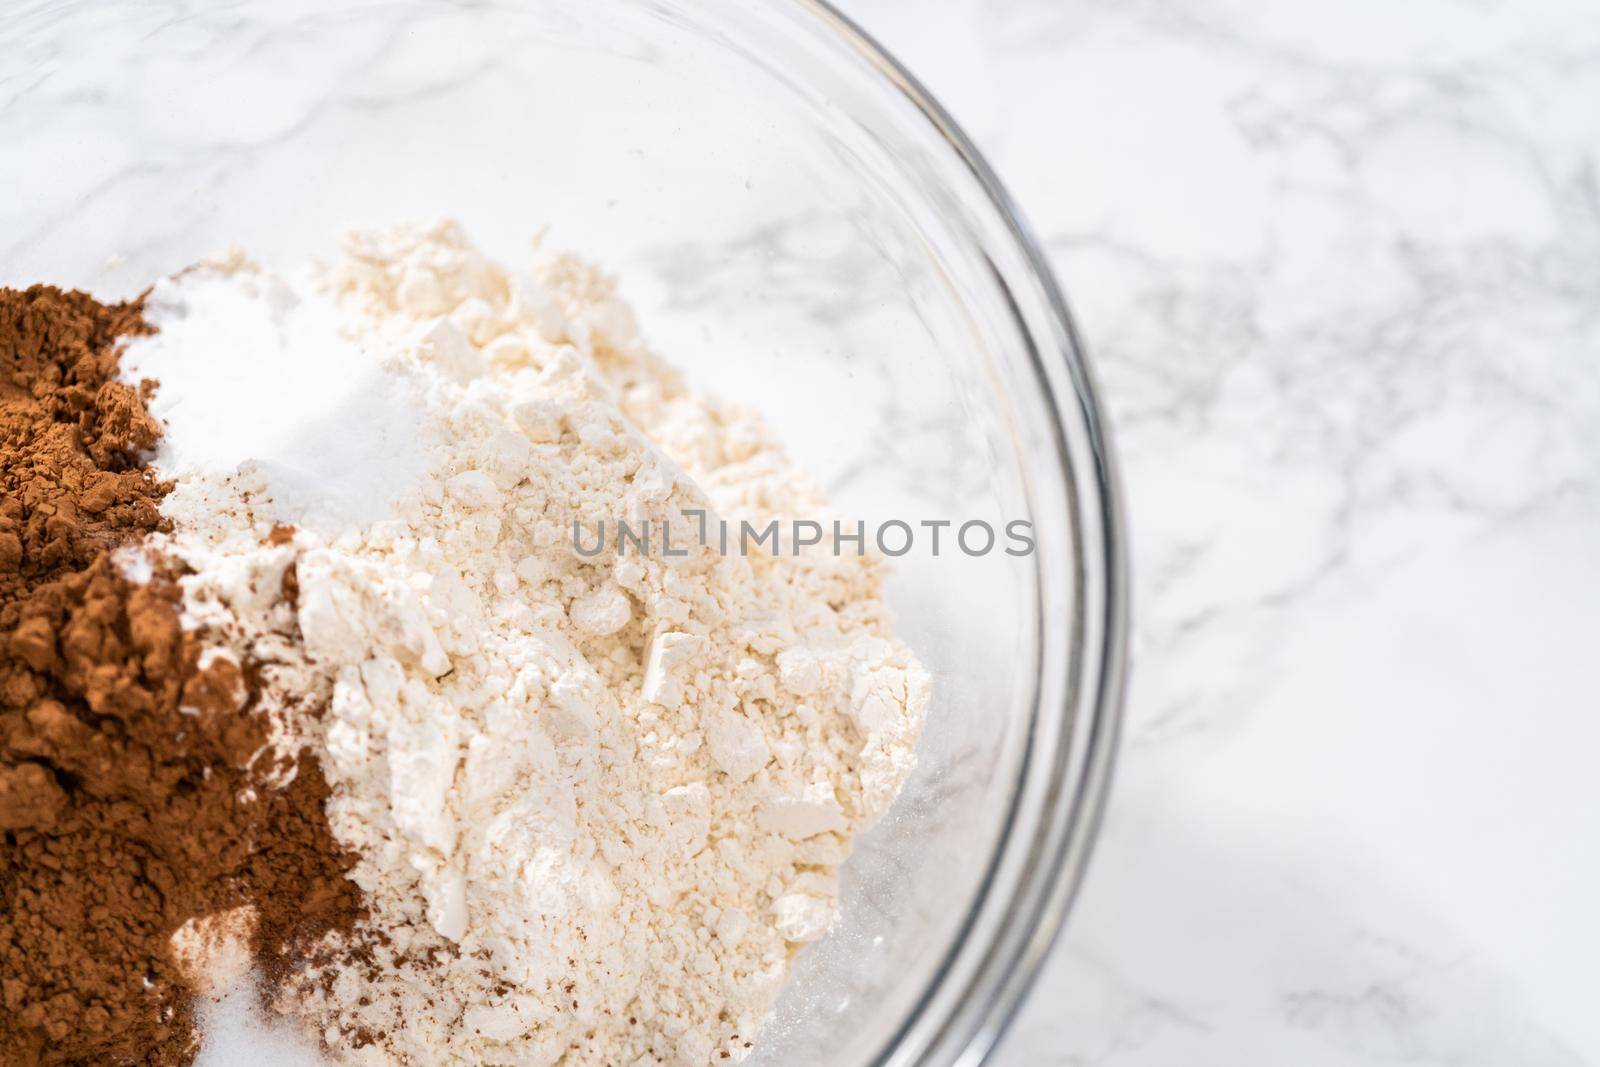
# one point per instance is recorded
(802, 228)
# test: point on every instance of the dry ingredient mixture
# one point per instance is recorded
(556, 809)
(126, 754)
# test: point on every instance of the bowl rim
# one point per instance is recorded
(1022, 939)
(1035, 907)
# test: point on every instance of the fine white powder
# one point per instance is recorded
(263, 378)
(598, 802)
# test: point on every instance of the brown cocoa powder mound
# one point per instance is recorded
(129, 799)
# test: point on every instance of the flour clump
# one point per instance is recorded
(596, 802)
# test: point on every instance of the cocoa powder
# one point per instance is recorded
(131, 798)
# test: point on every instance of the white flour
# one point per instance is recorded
(598, 802)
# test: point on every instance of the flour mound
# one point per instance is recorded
(598, 803)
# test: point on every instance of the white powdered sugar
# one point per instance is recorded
(262, 376)
(598, 801)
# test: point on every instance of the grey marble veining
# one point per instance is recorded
(1339, 269)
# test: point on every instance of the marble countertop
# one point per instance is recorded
(1339, 268)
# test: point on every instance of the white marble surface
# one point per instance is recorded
(1339, 267)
